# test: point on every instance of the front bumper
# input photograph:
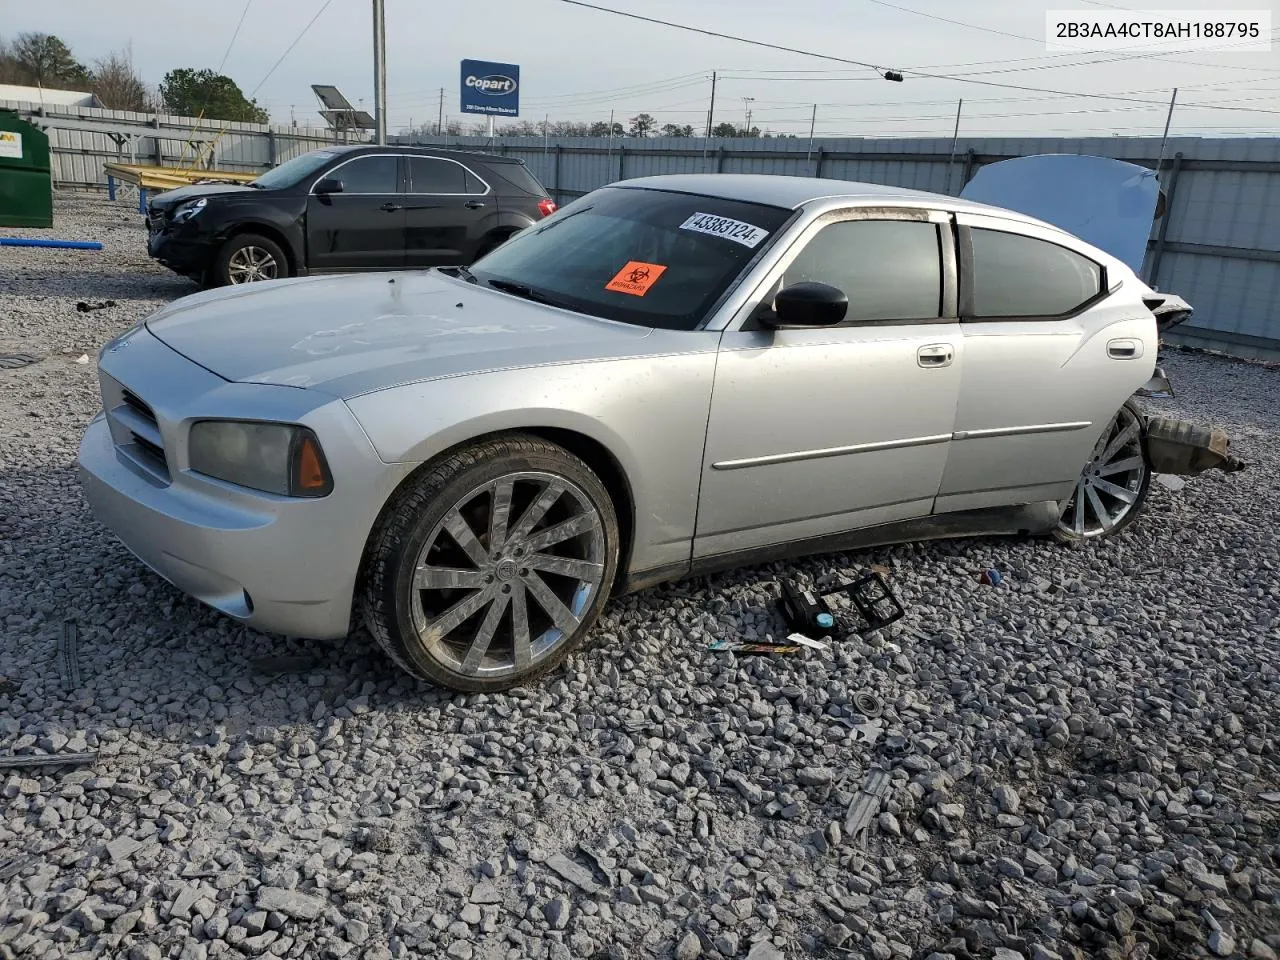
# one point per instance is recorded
(184, 255)
(277, 564)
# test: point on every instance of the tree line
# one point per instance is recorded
(641, 125)
(44, 60)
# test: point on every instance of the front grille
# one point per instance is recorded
(135, 429)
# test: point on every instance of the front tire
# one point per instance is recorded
(248, 258)
(490, 567)
(1113, 485)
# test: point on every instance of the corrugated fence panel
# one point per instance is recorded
(1222, 243)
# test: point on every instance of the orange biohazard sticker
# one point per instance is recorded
(636, 278)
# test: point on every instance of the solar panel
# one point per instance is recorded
(331, 97)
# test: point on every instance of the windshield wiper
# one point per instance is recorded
(461, 272)
(528, 293)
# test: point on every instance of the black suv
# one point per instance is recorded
(346, 208)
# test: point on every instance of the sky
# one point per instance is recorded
(579, 64)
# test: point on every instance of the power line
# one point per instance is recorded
(231, 42)
(1019, 36)
(323, 7)
(860, 63)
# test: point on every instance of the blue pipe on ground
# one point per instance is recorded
(61, 244)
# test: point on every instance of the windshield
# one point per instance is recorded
(291, 171)
(646, 257)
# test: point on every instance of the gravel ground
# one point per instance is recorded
(1082, 761)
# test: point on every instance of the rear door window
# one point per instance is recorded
(1019, 276)
(433, 175)
(891, 270)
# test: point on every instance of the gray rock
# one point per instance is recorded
(764, 950)
(1221, 944)
(1007, 798)
(689, 947)
(557, 913)
(291, 903)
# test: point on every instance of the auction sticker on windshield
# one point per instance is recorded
(636, 278)
(744, 233)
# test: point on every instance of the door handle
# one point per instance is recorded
(1124, 349)
(391, 207)
(474, 204)
(935, 355)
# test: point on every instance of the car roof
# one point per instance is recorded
(412, 148)
(794, 192)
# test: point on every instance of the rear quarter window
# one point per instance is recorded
(1019, 276)
(517, 176)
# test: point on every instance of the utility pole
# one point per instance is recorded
(609, 152)
(746, 104)
(813, 119)
(546, 134)
(379, 72)
(440, 115)
(711, 110)
(1167, 120)
(955, 137)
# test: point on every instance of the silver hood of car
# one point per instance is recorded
(352, 334)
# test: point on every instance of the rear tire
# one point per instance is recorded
(1113, 485)
(248, 258)
(491, 566)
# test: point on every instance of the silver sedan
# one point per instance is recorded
(668, 376)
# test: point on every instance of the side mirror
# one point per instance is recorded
(808, 305)
(328, 185)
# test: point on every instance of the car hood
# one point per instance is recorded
(1105, 202)
(356, 333)
(171, 198)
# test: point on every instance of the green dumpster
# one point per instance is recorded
(26, 187)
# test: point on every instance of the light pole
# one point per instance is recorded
(379, 73)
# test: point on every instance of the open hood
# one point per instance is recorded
(1108, 203)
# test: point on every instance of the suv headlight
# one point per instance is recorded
(189, 209)
(279, 458)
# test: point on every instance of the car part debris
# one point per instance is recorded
(868, 733)
(69, 657)
(807, 612)
(804, 641)
(868, 704)
(49, 760)
(866, 804)
(1158, 387)
(1186, 449)
(17, 360)
(85, 306)
(991, 578)
(728, 646)
(896, 745)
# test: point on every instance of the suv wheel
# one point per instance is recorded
(248, 258)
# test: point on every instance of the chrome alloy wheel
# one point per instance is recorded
(250, 263)
(1111, 485)
(495, 595)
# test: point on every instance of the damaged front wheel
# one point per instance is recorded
(1113, 484)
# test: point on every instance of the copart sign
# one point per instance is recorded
(492, 88)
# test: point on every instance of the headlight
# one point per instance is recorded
(189, 209)
(276, 458)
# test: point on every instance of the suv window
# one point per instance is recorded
(1019, 276)
(433, 175)
(889, 269)
(518, 175)
(369, 175)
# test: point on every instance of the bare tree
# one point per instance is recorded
(117, 84)
(45, 61)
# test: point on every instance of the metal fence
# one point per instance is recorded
(82, 139)
(1218, 245)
